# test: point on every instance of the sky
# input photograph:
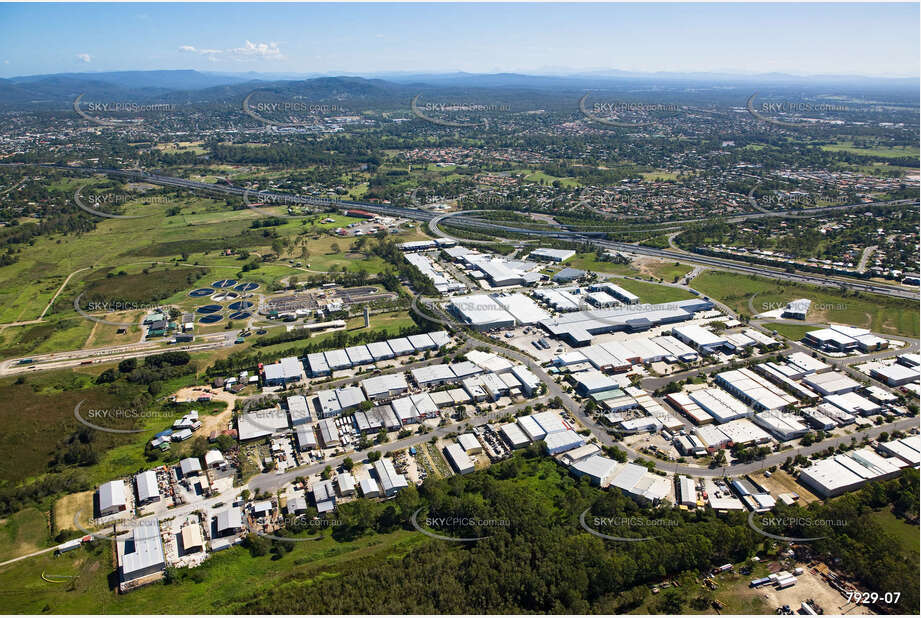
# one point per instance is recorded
(802, 39)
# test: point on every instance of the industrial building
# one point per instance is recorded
(852, 403)
(140, 554)
(305, 438)
(261, 423)
(552, 255)
(755, 390)
(843, 473)
(599, 470)
(686, 492)
(481, 312)
(625, 296)
(229, 521)
(329, 434)
(458, 458)
(298, 410)
(148, 489)
(333, 402)
(285, 371)
(896, 374)
(359, 355)
(112, 497)
(522, 308)
(513, 435)
(578, 328)
(719, 404)
(369, 488)
(641, 484)
(562, 441)
(781, 425)
(384, 386)
(906, 449)
(701, 339)
(682, 402)
(390, 482)
(831, 383)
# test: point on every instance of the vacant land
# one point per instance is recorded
(880, 314)
(790, 331)
(652, 292)
(224, 583)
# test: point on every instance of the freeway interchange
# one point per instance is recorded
(468, 218)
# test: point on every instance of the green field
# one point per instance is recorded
(905, 533)
(669, 271)
(652, 292)
(222, 584)
(880, 314)
(889, 152)
(790, 331)
(590, 261)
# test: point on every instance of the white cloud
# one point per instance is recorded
(250, 51)
(84, 58)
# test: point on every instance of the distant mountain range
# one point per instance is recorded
(187, 86)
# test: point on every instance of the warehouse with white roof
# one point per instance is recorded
(481, 312)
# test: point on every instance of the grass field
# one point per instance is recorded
(658, 175)
(590, 261)
(790, 331)
(23, 532)
(880, 314)
(224, 582)
(889, 152)
(652, 292)
(906, 533)
(669, 271)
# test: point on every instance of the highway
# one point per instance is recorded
(566, 234)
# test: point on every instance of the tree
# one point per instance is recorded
(348, 464)
(327, 472)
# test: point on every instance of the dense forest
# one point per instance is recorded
(541, 560)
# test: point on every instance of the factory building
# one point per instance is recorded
(148, 489)
(579, 327)
(481, 312)
(843, 473)
(458, 458)
(298, 410)
(390, 482)
(140, 554)
(831, 383)
(285, 371)
(599, 470)
(384, 386)
(112, 497)
(896, 374)
(552, 255)
(701, 339)
(755, 390)
(781, 425)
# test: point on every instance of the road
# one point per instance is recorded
(586, 237)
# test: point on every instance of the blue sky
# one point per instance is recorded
(842, 39)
